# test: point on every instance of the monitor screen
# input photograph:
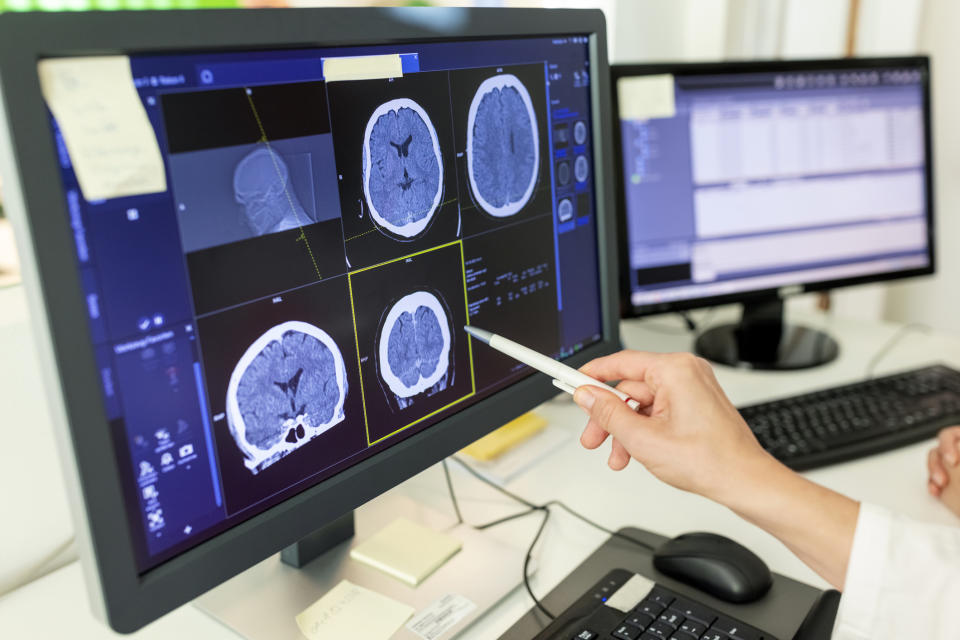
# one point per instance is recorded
(293, 303)
(772, 177)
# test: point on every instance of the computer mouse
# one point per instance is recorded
(717, 565)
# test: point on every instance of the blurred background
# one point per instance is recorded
(687, 30)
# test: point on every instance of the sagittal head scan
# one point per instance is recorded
(261, 183)
(288, 388)
(402, 168)
(414, 344)
(503, 147)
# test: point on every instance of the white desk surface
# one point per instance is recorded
(56, 605)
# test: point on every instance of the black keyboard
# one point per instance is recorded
(856, 420)
(660, 614)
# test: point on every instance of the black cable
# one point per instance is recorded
(453, 496)
(900, 334)
(526, 566)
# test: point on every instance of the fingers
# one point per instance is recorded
(612, 415)
(938, 473)
(593, 435)
(624, 365)
(639, 391)
(949, 445)
(619, 456)
(934, 490)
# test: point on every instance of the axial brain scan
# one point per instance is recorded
(414, 344)
(503, 146)
(288, 388)
(402, 167)
(261, 183)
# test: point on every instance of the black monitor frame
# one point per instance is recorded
(36, 201)
(628, 310)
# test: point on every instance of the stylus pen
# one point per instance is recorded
(564, 378)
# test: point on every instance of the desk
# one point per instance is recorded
(56, 605)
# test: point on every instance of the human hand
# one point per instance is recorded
(688, 434)
(943, 465)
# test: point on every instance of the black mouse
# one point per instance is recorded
(717, 565)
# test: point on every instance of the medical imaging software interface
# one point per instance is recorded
(746, 181)
(294, 302)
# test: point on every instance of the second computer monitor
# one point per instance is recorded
(749, 181)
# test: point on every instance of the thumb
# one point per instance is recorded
(610, 413)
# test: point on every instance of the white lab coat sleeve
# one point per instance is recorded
(903, 580)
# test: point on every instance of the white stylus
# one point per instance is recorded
(564, 378)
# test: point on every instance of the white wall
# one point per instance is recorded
(936, 301)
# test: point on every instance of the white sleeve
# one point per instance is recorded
(903, 580)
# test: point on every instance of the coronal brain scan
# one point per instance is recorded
(261, 183)
(581, 168)
(565, 210)
(402, 167)
(503, 146)
(288, 388)
(414, 345)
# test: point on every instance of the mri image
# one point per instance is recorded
(288, 388)
(414, 346)
(261, 183)
(581, 168)
(503, 148)
(402, 168)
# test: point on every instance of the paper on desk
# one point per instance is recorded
(350, 611)
(112, 146)
(645, 97)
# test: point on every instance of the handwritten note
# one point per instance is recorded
(645, 97)
(112, 146)
(350, 611)
(362, 68)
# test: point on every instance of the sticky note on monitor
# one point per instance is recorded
(646, 97)
(362, 68)
(406, 550)
(351, 611)
(112, 145)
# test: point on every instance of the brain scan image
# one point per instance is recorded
(563, 173)
(581, 169)
(402, 168)
(503, 146)
(414, 345)
(261, 183)
(565, 210)
(580, 132)
(288, 388)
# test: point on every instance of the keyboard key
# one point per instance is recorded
(680, 635)
(660, 597)
(586, 634)
(652, 609)
(735, 629)
(696, 611)
(672, 617)
(693, 627)
(639, 620)
(627, 632)
(660, 629)
(713, 634)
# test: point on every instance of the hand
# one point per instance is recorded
(943, 464)
(688, 434)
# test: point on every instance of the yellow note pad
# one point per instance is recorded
(645, 97)
(362, 68)
(350, 611)
(498, 442)
(104, 125)
(406, 550)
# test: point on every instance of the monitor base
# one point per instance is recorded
(262, 602)
(762, 340)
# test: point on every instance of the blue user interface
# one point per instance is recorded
(748, 181)
(292, 304)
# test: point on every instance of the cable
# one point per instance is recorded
(37, 570)
(892, 342)
(531, 508)
(453, 496)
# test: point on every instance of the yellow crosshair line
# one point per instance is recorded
(286, 190)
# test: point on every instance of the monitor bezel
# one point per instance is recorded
(123, 596)
(617, 71)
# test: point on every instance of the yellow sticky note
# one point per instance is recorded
(112, 145)
(350, 611)
(362, 68)
(645, 97)
(498, 442)
(406, 550)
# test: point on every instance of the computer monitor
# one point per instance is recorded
(750, 181)
(252, 239)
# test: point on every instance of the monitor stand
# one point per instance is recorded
(262, 602)
(762, 340)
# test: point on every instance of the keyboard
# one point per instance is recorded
(856, 420)
(646, 611)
